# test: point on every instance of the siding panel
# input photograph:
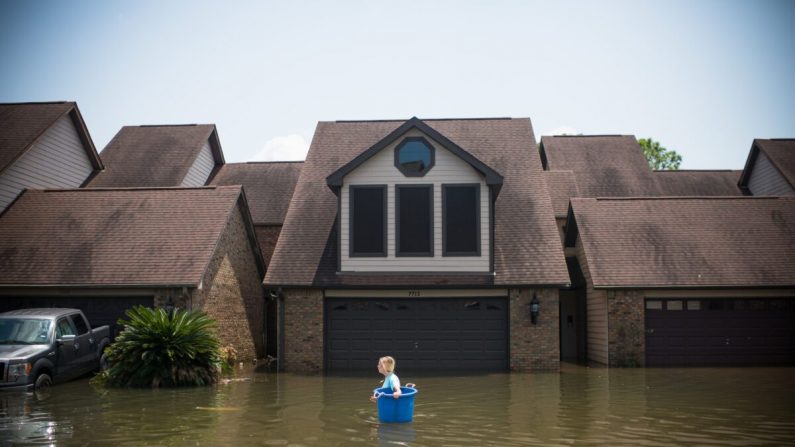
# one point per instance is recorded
(380, 169)
(202, 167)
(766, 180)
(57, 160)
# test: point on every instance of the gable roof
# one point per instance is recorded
(603, 165)
(686, 242)
(269, 187)
(780, 152)
(527, 247)
(115, 237)
(21, 125)
(492, 177)
(154, 156)
(698, 183)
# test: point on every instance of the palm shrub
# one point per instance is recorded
(162, 349)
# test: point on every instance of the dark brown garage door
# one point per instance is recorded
(424, 334)
(99, 310)
(709, 332)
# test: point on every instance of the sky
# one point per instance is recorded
(703, 78)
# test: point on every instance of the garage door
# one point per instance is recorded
(709, 332)
(422, 334)
(99, 310)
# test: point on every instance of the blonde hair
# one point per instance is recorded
(388, 363)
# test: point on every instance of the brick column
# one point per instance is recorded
(535, 347)
(626, 336)
(302, 325)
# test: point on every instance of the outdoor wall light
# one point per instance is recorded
(534, 307)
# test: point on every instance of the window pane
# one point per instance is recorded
(414, 156)
(367, 210)
(654, 305)
(414, 220)
(693, 305)
(80, 324)
(461, 225)
(674, 305)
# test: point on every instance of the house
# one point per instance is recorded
(160, 156)
(688, 281)
(269, 188)
(105, 250)
(43, 145)
(429, 239)
(770, 168)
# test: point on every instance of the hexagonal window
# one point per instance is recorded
(414, 156)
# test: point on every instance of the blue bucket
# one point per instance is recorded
(395, 410)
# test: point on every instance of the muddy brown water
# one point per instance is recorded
(579, 406)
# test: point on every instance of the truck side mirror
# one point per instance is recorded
(66, 340)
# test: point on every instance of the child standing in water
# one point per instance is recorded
(386, 366)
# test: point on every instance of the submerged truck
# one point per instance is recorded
(39, 347)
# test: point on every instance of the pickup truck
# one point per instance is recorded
(39, 347)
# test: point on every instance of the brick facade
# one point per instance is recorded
(626, 328)
(302, 336)
(534, 347)
(231, 292)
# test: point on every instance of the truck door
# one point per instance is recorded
(66, 366)
(85, 345)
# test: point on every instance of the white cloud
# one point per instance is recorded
(562, 130)
(285, 148)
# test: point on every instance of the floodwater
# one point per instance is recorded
(582, 406)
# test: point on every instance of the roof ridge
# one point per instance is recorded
(35, 102)
(428, 119)
(587, 136)
(142, 188)
(171, 125)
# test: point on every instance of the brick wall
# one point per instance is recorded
(232, 293)
(534, 347)
(626, 328)
(302, 340)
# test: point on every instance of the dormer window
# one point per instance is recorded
(414, 156)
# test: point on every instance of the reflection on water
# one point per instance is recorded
(646, 407)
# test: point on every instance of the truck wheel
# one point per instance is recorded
(43, 381)
(103, 362)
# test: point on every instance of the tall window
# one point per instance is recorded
(368, 220)
(461, 220)
(414, 212)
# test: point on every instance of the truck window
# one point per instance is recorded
(63, 328)
(80, 324)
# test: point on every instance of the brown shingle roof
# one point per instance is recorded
(154, 156)
(269, 187)
(780, 152)
(698, 183)
(603, 166)
(561, 186)
(527, 247)
(687, 242)
(21, 124)
(113, 237)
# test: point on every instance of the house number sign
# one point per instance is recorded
(414, 293)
